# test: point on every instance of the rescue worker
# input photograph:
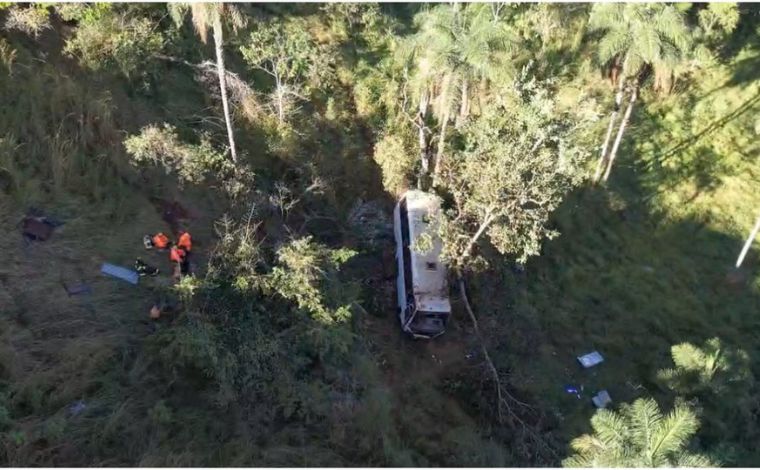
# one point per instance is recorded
(158, 241)
(179, 256)
(185, 242)
(144, 269)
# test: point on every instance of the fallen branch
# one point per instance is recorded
(241, 91)
(504, 398)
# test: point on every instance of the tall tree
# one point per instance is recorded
(638, 436)
(636, 37)
(213, 15)
(518, 162)
(456, 51)
(286, 52)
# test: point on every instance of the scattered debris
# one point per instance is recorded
(77, 289)
(472, 353)
(634, 386)
(590, 360)
(574, 390)
(77, 407)
(601, 399)
(124, 274)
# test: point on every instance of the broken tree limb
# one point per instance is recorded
(501, 392)
(238, 87)
(503, 396)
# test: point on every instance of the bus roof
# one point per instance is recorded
(428, 273)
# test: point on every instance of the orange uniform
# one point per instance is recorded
(185, 242)
(177, 255)
(160, 241)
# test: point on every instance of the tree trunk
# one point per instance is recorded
(441, 144)
(613, 117)
(444, 124)
(482, 94)
(424, 157)
(619, 137)
(280, 94)
(471, 243)
(748, 243)
(463, 105)
(218, 42)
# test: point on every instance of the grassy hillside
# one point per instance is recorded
(245, 375)
(645, 264)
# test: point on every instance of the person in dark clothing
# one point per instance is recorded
(144, 269)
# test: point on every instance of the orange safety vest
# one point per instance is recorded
(177, 254)
(185, 241)
(160, 240)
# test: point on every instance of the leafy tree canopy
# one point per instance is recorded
(515, 166)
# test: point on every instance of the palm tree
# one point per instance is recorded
(712, 367)
(212, 15)
(638, 436)
(636, 36)
(457, 50)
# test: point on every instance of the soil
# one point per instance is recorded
(414, 370)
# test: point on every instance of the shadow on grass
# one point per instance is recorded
(629, 281)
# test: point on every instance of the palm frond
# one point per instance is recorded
(610, 428)
(670, 24)
(177, 12)
(689, 460)
(688, 357)
(587, 444)
(202, 18)
(606, 16)
(647, 43)
(673, 432)
(234, 17)
(615, 43)
(644, 416)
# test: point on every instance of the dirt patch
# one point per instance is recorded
(174, 213)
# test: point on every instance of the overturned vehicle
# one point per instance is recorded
(423, 301)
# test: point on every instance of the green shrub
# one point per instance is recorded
(396, 161)
(106, 39)
(162, 146)
(32, 20)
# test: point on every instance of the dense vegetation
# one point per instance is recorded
(597, 164)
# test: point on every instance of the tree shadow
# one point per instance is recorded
(692, 158)
(627, 280)
(744, 30)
